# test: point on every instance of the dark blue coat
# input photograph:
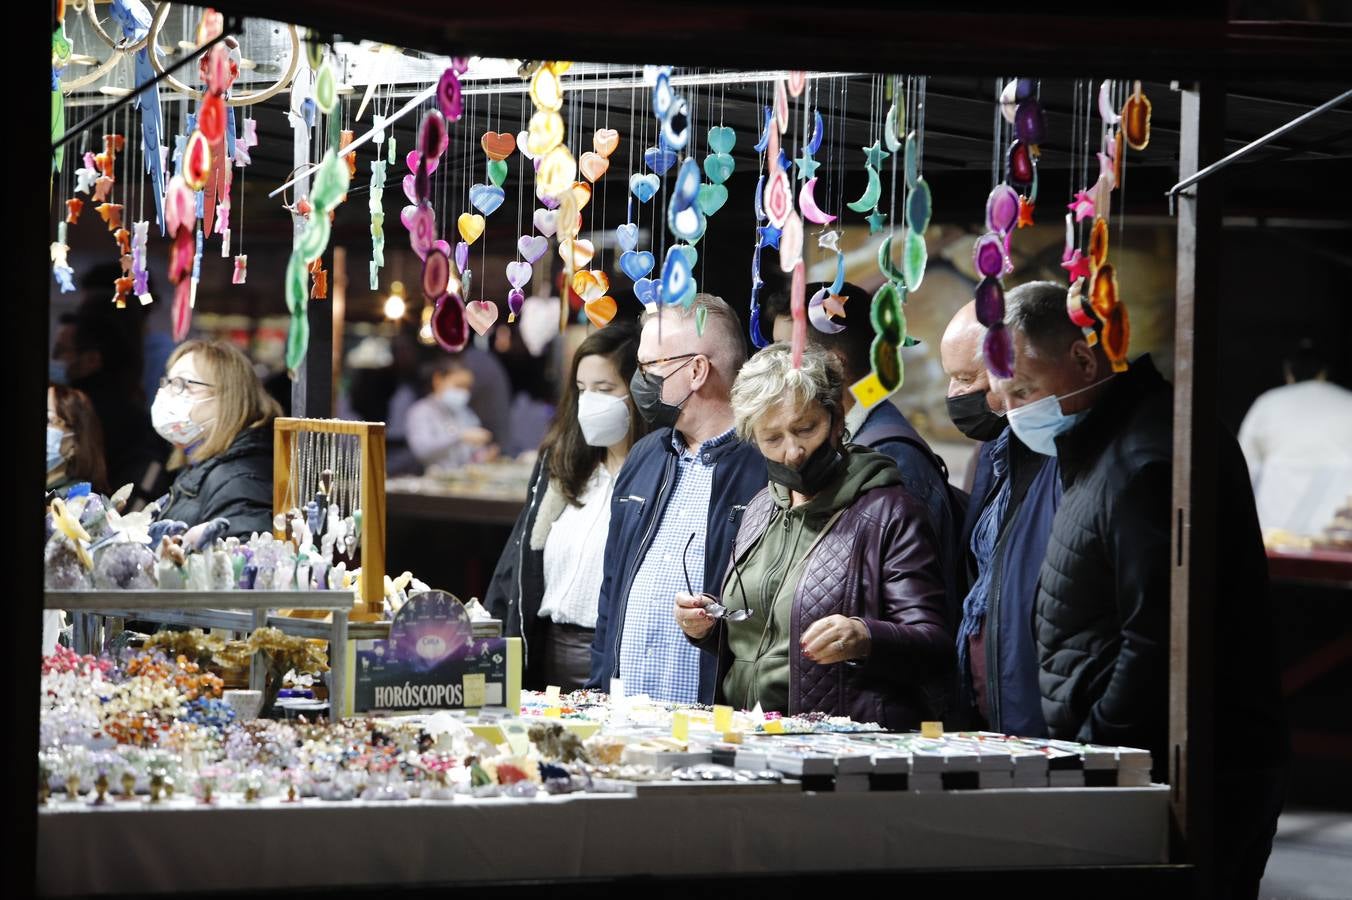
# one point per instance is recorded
(642, 489)
(1011, 651)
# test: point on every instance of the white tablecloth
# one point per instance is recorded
(130, 848)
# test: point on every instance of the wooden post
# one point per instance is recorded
(373, 520)
(1193, 584)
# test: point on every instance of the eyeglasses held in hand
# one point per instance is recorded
(715, 609)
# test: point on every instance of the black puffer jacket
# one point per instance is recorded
(518, 585)
(235, 484)
(1102, 620)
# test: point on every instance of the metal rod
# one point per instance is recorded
(603, 84)
(132, 95)
(1219, 164)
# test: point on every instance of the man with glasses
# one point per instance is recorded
(677, 502)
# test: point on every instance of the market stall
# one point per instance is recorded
(565, 139)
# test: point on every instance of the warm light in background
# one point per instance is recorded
(425, 332)
(395, 307)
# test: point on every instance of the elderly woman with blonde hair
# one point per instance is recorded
(833, 601)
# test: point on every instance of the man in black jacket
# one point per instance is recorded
(676, 503)
(1102, 618)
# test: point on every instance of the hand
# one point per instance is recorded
(691, 617)
(835, 639)
(477, 437)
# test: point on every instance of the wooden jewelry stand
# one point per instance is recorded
(371, 436)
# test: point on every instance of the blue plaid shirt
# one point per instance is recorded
(655, 657)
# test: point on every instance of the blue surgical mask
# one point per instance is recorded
(56, 371)
(54, 438)
(1039, 423)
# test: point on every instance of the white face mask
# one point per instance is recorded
(172, 419)
(455, 398)
(54, 455)
(1039, 423)
(604, 419)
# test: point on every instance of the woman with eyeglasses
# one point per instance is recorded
(834, 598)
(212, 407)
(548, 580)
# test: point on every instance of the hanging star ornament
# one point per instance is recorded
(769, 236)
(829, 240)
(807, 166)
(1082, 206)
(1077, 265)
(876, 154)
(876, 220)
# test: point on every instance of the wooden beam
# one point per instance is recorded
(1196, 425)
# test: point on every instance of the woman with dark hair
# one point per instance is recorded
(547, 581)
(74, 441)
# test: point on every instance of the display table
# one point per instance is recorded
(486, 493)
(480, 509)
(182, 846)
(1328, 568)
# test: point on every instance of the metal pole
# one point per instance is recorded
(1248, 148)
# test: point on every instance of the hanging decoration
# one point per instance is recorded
(134, 19)
(887, 311)
(61, 269)
(1092, 300)
(1005, 207)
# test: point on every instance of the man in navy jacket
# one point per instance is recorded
(676, 504)
(1015, 494)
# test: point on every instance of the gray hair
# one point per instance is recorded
(769, 379)
(722, 330)
(1038, 310)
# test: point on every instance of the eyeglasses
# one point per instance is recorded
(645, 367)
(178, 385)
(715, 609)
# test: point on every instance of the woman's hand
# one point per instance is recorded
(691, 617)
(835, 639)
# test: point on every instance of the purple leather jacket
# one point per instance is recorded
(878, 563)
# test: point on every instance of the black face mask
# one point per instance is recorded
(813, 475)
(973, 416)
(647, 393)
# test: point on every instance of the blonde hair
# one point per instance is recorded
(769, 379)
(241, 401)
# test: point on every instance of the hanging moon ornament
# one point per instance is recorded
(890, 129)
(817, 315)
(869, 200)
(808, 204)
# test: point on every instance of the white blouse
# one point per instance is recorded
(574, 555)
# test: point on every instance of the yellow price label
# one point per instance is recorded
(553, 712)
(869, 391)
(680, 727)
(517, 738)
(932, 729)
(474, 686)
(774, 726)
(722, 718)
